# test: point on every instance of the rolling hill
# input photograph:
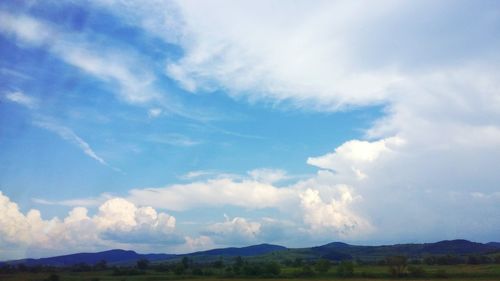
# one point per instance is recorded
(331, 251)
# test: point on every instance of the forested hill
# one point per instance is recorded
(332, 251)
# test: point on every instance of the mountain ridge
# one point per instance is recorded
(331, 251)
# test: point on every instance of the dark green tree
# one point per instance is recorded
(397, 265)
(306, 271)
(497, 259)
(179, 268)
(185, 262)
(101, 265)
(238, 261)
(322, 265)
(345, 269)
(143, 264)
(272, 268)
(218, 263)
(298, 262)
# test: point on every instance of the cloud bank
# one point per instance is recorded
(118, 222)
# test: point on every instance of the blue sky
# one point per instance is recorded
(179, 126)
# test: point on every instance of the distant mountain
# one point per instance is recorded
(331, 251)
(340, 251)
(111, 256)
(254, 250)
(459, 247)
(494, 244)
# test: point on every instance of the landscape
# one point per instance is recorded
(153, 140)
(454, 260)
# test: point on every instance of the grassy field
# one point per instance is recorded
(366, 273)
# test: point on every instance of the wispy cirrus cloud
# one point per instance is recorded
(79, 202)
(22, 99)
(70, 136)
(113, 65)
(51, 125)
(173, 139)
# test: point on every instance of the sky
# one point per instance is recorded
(179, 126)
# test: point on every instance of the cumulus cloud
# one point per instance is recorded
(234, 231)
(416, 169)
(118, 222)
(440, 132)
(199, 243)
(246, 231)
(351, 157)
(214, 192)
(325, 207)
(333, 216)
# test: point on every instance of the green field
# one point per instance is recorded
(363, 272)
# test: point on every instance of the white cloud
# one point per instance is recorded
(438, 81)
(197, 174)
(234, 231)
(21, 98)
(70, 136)
(126, 69)
(25, 28)
(352, 156)
(325, 206)
(214, 192)
(245, 231)
(154, 112)
(84, 202)
(441, 129)
(334, 215)
(116, 223)
(266, 59)
(172, 139)
(200, 243)
(480, 195)
(268, 175)
(62, 131)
